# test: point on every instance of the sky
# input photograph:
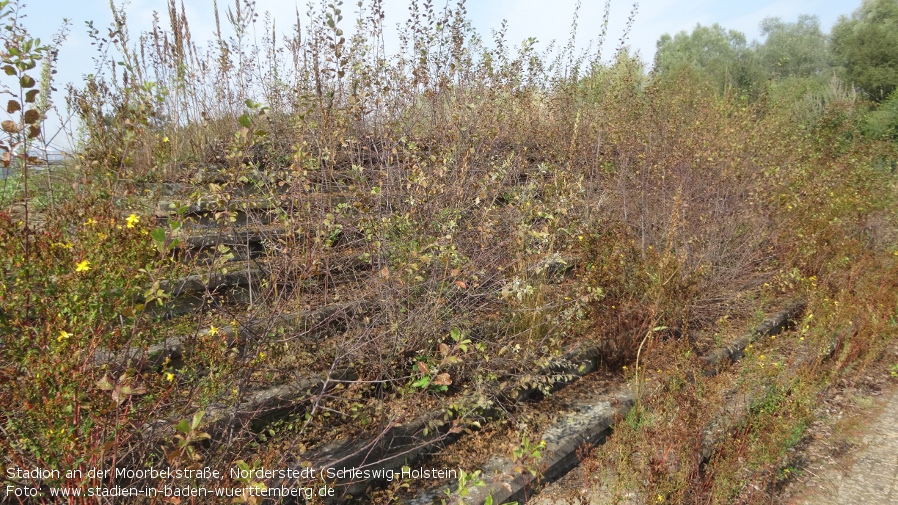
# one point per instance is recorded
(545, 20)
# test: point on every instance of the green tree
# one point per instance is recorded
(793, 49)
(719, 54)
(882, 123)
(865, 48)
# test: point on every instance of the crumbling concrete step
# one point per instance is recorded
(312, 324)
(588, 425)
(266, 405)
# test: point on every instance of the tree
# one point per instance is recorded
(719, 54)
(793, 49)
(882, 123)
(865, 48)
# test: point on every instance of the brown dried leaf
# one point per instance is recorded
(9, 126)
(422, 367)
(32, 116)
(13, 106)
(442, 379)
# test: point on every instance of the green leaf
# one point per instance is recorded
(245, 121)
(9, 69)
(105, 383)
(128, 390)
(183, 426)
(197, 418)
(26, 81)
(158, 236)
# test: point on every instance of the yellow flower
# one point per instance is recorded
(90, 222)
(83, 266)
(169, 376)
(132, 220)
(165, 139)
(213, 330)
(63, 335)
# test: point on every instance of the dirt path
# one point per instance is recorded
(867, 474)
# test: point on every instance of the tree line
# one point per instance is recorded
(860, 52)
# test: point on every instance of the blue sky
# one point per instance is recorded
(545, 20)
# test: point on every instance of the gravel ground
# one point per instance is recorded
(859, 466)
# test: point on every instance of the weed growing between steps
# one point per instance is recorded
(410, 232)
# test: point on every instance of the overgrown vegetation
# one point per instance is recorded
(432, 229)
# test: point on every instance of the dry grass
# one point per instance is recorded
(487, 208)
